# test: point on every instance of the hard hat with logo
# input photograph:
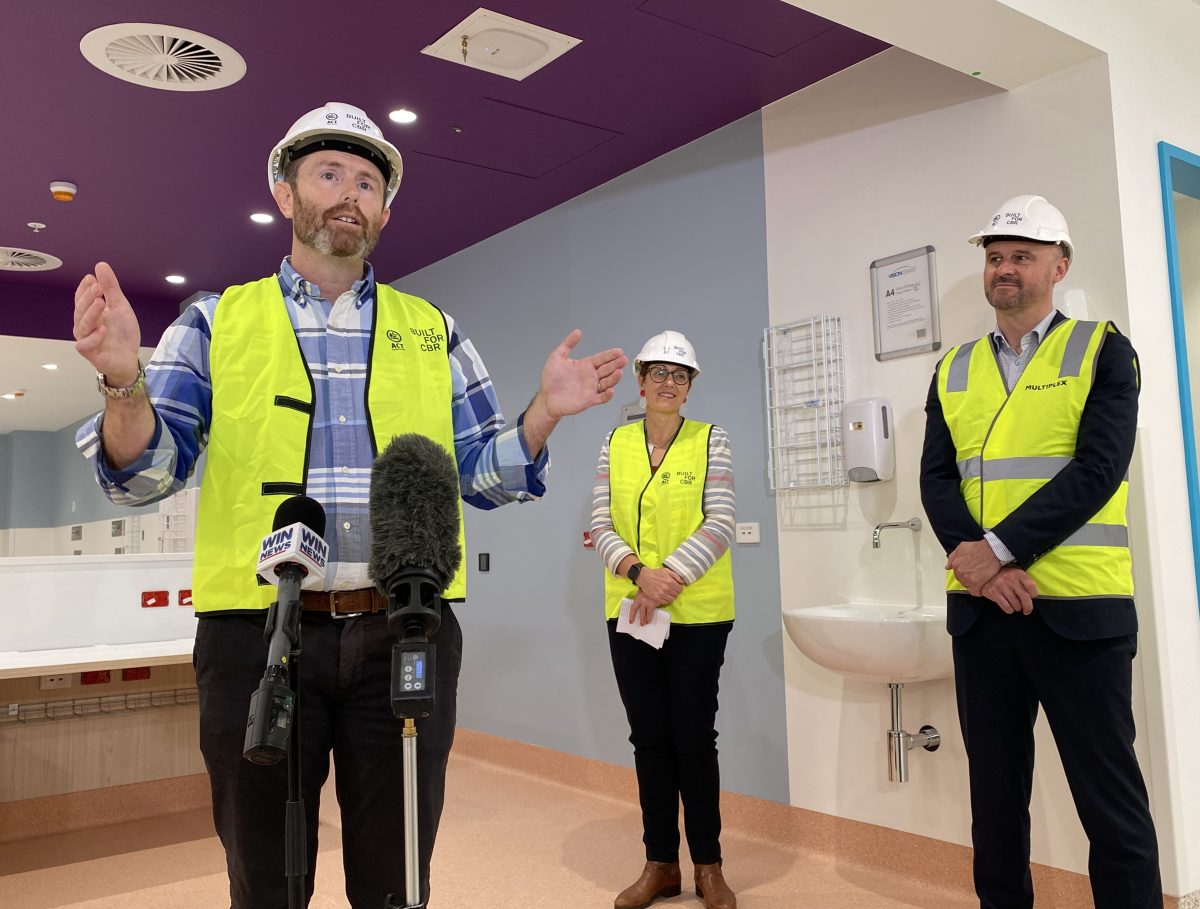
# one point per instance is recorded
(338, 127)
(668, 347)
(1028, 217)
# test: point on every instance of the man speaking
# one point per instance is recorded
(292, 384)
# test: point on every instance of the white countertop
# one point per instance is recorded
(19, 664)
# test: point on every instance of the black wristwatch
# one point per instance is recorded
(634, 570)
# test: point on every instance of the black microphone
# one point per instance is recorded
(295, 549)
(414, 554)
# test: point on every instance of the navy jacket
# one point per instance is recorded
(1102, 454)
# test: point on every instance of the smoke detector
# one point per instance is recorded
(14, 259)
(63, 191)
(500, 44)
(163, 56)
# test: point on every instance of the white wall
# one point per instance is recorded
(896, 153)
(1153, 71)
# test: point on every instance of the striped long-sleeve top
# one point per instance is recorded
(700, 551)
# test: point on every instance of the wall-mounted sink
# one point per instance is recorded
(874, 642)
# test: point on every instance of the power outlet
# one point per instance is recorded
(746, 533)
(55, 681)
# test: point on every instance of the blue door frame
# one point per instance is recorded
(1179, 171)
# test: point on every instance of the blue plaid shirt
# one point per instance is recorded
(493, 463)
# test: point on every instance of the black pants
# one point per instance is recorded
(345, 672)
(1004, 666)
(670, 698)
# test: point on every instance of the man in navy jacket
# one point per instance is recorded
(1069, 647)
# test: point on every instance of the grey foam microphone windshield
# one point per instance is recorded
(414, 511)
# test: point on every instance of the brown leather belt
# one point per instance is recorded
(343, 602)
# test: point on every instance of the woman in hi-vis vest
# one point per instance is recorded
(663, 521)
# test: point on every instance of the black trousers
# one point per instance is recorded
(345, 673)
(1005, 665)
(670, 698)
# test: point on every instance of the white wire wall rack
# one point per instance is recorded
(805, 384)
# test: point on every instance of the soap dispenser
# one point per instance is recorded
(869, 440)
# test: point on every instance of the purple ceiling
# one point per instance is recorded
(167, 180)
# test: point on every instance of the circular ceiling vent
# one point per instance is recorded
(163, 56)
(13, 259)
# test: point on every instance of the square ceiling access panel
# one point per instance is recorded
(773, 29)
(514, 140)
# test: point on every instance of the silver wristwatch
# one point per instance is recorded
(128, 392)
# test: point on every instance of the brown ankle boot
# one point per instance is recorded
(711, 887)
(658, 879)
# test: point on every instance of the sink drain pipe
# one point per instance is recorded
(900, 742)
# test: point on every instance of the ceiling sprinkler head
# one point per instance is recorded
(36, 226)
(63, 191)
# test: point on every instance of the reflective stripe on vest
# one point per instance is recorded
(1008, 445)
(262, 406)
(655, 512)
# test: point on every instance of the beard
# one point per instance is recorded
(1009, 302)
(312, 228)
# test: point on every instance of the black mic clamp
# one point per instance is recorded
(414, 615)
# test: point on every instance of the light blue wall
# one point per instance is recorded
(45, 482)
(679, 243)
(5, 481)
(31, 488)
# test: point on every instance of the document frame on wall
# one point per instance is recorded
(904, 304)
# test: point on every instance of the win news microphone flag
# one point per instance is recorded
(296, 543)
(293, 555)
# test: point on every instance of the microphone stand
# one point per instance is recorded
(273, 728)
(414, 614)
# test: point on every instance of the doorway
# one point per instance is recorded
(1180, 174)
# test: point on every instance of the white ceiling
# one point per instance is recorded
(53, 398)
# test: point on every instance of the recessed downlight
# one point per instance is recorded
(403, 115)
(175, 279)
(13, 395)
(261, 217)
(50, 366)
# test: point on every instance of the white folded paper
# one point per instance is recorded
(654, 633)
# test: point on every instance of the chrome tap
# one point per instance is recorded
(913, 524)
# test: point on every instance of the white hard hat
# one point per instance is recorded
(340, 127)
(1031, 217)
(668, 347)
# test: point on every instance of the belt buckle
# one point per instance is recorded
(333, 613)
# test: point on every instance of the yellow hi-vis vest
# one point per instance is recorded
(1010, 445)
(262, 413)
(655, 512)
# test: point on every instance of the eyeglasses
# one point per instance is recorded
(659, 374)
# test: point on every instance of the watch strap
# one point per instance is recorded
(128, 391)
(634, 570)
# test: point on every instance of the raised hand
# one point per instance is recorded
(572, 386)
(106, 329)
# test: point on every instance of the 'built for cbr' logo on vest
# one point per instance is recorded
(431, 338)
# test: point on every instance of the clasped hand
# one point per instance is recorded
(656, 587)
(1008, 586)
